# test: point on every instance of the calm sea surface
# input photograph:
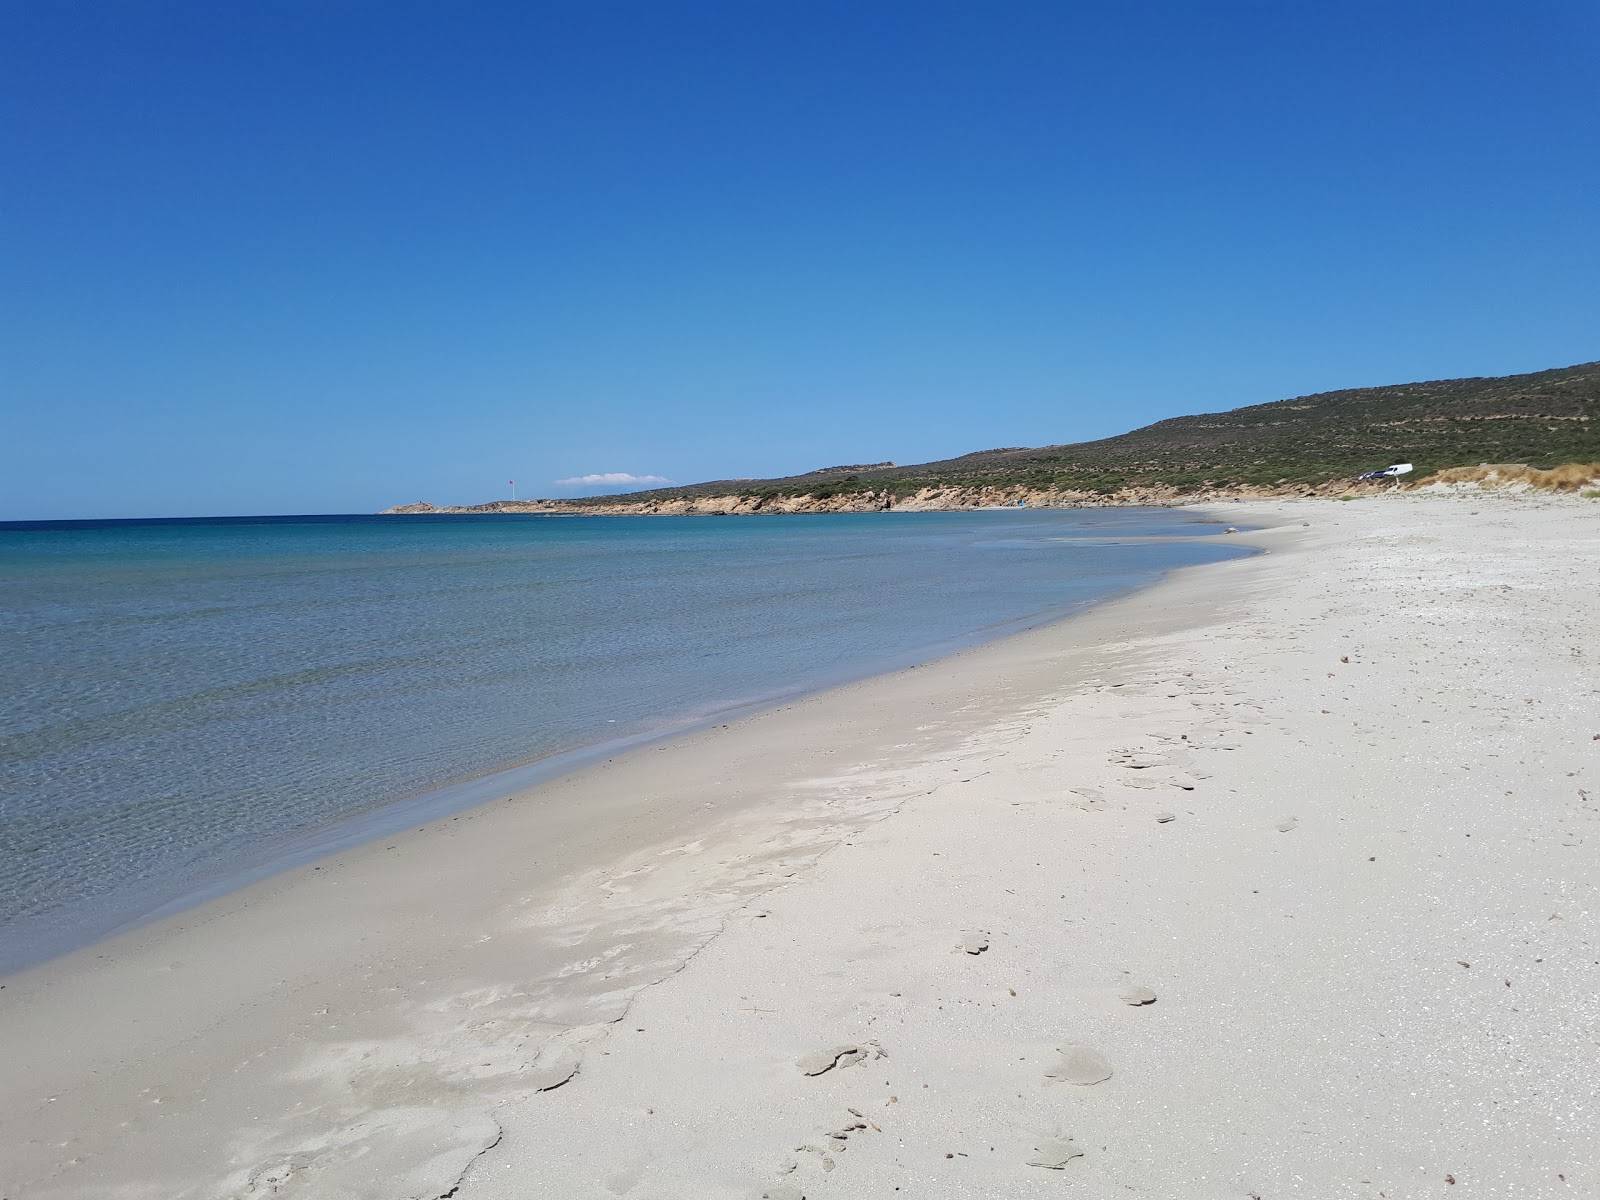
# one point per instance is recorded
(184, 702)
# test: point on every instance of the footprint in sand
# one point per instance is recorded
(1089, 799)
(975, 941)
(1136, 995)
(1054, 1154)
(1142, 762)
(823, 1156)
(627, 1177)
(552, 1073)
(1081, 1065)
(1179, 780)
(819, 1061)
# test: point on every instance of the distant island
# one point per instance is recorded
(1308, 445)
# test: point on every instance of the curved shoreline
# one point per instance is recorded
(1331, 806)
(103, 918)
(382, 935)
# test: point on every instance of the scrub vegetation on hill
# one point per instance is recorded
(1544, 419)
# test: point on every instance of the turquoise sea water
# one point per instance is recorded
(183, 701)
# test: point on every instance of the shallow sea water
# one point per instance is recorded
(179, 700)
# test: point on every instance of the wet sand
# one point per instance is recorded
(1278, 878)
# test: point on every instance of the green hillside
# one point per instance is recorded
(1545, 419)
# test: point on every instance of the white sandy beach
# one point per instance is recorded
(1370, 926)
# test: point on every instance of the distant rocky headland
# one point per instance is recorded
(923, 500)
(1452, 430)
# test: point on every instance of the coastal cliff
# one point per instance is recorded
(949, 499)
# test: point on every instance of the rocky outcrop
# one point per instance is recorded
(697, 506)
(421, 506)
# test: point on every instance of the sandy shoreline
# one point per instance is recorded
(379, 1025)
(432, 712)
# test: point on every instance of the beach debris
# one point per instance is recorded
(842, 1134)
(1288, 825)
(1080, 1065)
(1054, 1154)
(848, 1055)
(975, 941)
(783, 1193)
(1137, 995)
(551, 1074)
(1163, 817)
(1230, 529)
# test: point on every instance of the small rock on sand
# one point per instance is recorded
(1136, 995)
(1081, 1065)
(1288, 825)
(1054, 1154)
(975, 942)
(1163, 818)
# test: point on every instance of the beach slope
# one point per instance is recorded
(1276, 879)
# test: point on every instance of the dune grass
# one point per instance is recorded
(1570, 477)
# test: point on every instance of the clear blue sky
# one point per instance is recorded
(324, 256)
